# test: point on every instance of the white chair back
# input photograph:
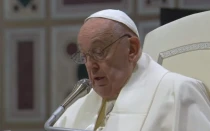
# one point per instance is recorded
(183, 46)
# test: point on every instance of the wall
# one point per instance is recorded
(36, 72)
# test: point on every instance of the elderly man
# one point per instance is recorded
(131, 92)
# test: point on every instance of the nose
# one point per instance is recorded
(91, 64)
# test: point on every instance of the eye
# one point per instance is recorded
(97, 50)
(98, 53)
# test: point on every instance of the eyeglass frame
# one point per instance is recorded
(102, 51)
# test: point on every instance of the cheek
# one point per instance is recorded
(119, 62)
(116, 69)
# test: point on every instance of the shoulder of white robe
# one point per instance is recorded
(190, 85)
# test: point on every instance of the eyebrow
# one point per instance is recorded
(96, 40)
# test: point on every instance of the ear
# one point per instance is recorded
(135, 48)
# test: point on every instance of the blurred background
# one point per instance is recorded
(37, 38)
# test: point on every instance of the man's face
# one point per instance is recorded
(109, 75)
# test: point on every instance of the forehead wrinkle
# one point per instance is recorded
(99, 29)
(102, 37)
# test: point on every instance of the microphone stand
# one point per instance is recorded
(82, 88)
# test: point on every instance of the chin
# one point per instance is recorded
(102, 91)
(108, 96)
(103, 95)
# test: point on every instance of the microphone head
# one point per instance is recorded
(84, 84)
(81, 89)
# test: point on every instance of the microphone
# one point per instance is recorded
(81, 88)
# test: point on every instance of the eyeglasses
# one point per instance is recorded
(97, 54)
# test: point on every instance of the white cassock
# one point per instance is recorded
(154, 99)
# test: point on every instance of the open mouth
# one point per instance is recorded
(98, 78)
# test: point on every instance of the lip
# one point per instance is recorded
(98, 78)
